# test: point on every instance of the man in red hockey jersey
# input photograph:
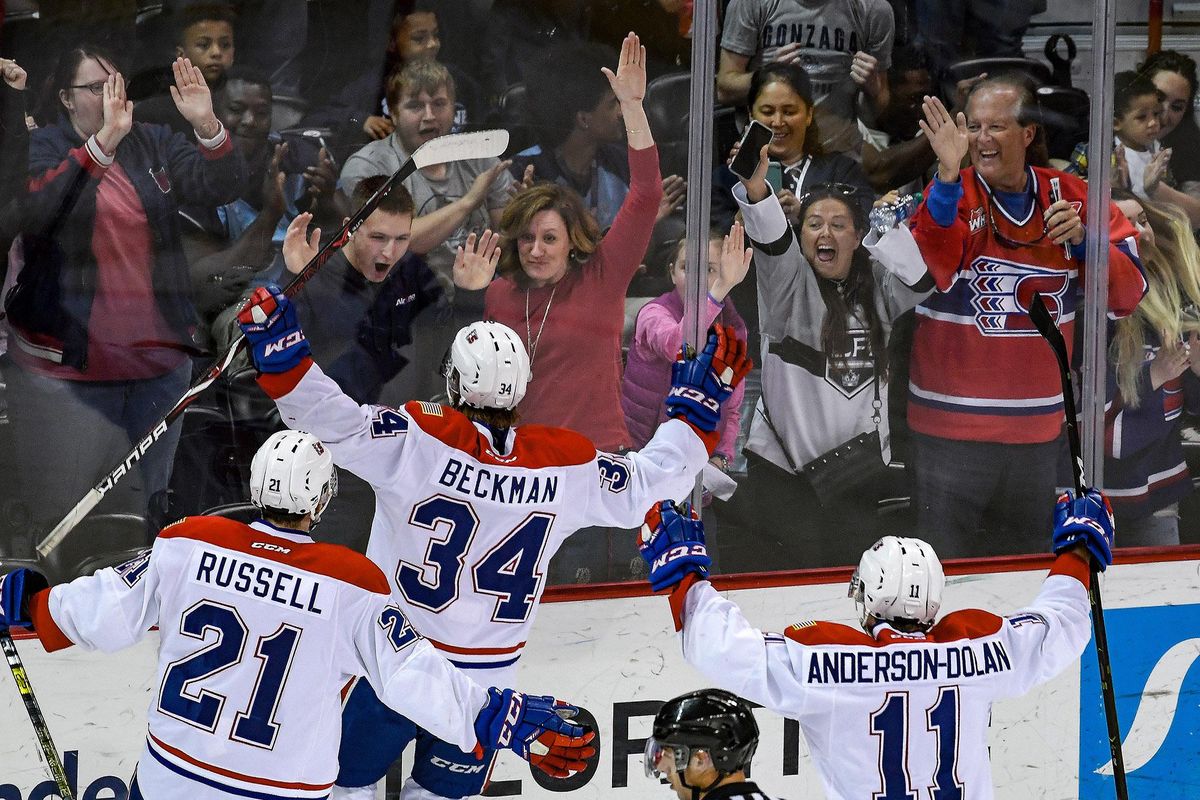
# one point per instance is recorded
(984, 404)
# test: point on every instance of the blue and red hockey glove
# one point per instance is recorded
(1088, 520)
(537, 728)
(16, 588)
(272, 330)
(701, 382)
(672, 544)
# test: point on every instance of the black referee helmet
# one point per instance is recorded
(712, 720)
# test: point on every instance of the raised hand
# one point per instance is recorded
(629, 81)
(735, 262)
(475, 262)
(757, 188)
(118, 114)
(536, 728)
(947, 136)
(272, 328)
(671, 543)
(13, 74)
(1086, 520)
(193, 98)
(298, 246)
(701, 382)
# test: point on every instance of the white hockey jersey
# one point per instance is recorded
(464, 533)
(897, 715)
(260, 629)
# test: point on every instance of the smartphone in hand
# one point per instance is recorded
(746, 161)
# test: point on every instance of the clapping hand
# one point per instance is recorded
(1156, 170)
(193, 98)
(475, 262)
(674, 193)
(947, 136)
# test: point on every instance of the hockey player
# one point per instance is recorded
(701, 745)
(904, 703)
(261, 628)
(470, 508)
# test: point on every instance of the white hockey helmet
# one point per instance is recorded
(486, 366)
(293, 472)
(898, 578)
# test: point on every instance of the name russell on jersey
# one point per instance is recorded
(905, 663)
(481, 482)
(256, 579)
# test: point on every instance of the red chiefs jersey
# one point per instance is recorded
(979, 368)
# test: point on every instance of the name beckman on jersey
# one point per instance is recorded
(258, 579)
(481, 482)
(906, 663)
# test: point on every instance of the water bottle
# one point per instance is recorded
(887, 216)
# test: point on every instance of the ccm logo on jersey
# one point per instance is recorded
(293, 338)
(679, 551)
(274, 548)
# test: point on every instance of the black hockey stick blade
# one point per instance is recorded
(455, 147)
(45, 742)
(1044, 322)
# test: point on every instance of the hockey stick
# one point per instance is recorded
(49, 751)
(455, 147)
(1044, 322)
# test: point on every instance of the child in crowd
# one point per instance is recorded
(204, 34)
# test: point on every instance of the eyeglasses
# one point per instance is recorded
(95, 87)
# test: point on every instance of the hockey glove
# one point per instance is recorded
(272, 330)
(16, 588)
(537, 728)
(700, 383)
(1087, 519)
(672, 544)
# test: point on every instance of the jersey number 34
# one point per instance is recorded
(509, 570)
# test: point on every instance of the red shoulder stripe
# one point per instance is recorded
(47, 629)
(535, 446)
(971, 623)
(819, 633)
(321, 558)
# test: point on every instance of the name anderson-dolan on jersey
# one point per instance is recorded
(260, 629)
(898, 713)
(465, 533)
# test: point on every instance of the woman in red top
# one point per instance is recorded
(562, 286)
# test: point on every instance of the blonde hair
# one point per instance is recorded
(1172, 267)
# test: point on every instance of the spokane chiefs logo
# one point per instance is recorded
(1155, 655)
(1001, 292)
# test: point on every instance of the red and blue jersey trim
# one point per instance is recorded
(234, 783)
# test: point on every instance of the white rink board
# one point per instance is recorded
(609, 654)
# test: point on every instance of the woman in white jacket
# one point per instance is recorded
(827, 298)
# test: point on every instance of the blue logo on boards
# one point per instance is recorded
(1155, 654)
